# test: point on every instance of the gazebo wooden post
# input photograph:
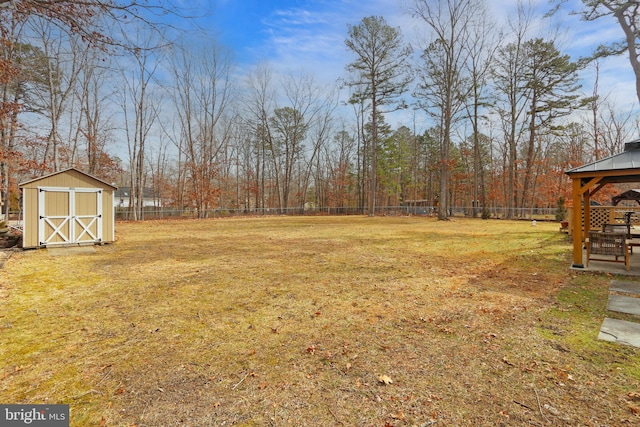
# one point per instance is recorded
(577, 223)
(586, 202)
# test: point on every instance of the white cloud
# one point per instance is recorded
(309, 37)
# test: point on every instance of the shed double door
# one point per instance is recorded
(69, 215)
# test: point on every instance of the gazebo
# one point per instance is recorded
(589, 179)
(631, 195)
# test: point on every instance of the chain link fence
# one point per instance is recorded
(150, 213)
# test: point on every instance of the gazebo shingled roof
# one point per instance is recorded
(590, 178)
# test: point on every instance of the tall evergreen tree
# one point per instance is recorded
(379, 75)
(552, 84)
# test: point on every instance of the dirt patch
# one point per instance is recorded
(71, 250)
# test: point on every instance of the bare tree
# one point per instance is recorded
(93, 120)
(362, 161)
(91, 24)
(66, 58)
(508, 74)
(159, 167)
(25, 72)
(615, 128)
(203, 93)
(339, 162)
(140, 105)
(627, 13)
(298, 129)
(320, 114)
(485, 35)
(259, 103)
(95, 21)
(443, 86)
(289, 130)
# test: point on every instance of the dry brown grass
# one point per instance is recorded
(303, 322)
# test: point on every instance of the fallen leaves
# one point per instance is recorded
(553, 411)
(633, 397)
(399, 415)
(384, 379)
(248, 374)
(506, 361)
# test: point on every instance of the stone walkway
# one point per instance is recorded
(624, 297)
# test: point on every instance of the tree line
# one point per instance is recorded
(145, 107)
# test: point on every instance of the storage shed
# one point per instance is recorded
(68, 207)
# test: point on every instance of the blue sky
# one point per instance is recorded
(308, 36)
(297, 33)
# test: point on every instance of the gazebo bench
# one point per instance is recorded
(622, 228)
(612, 244)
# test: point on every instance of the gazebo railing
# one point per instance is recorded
(607, 215)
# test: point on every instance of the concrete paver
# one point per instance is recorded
(625, 287)
(620, 331)
(624, 304)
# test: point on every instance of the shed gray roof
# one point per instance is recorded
(628, 159)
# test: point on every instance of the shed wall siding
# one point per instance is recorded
(30, 230)
(108, 216)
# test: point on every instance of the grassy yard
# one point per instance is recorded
(316, 321)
